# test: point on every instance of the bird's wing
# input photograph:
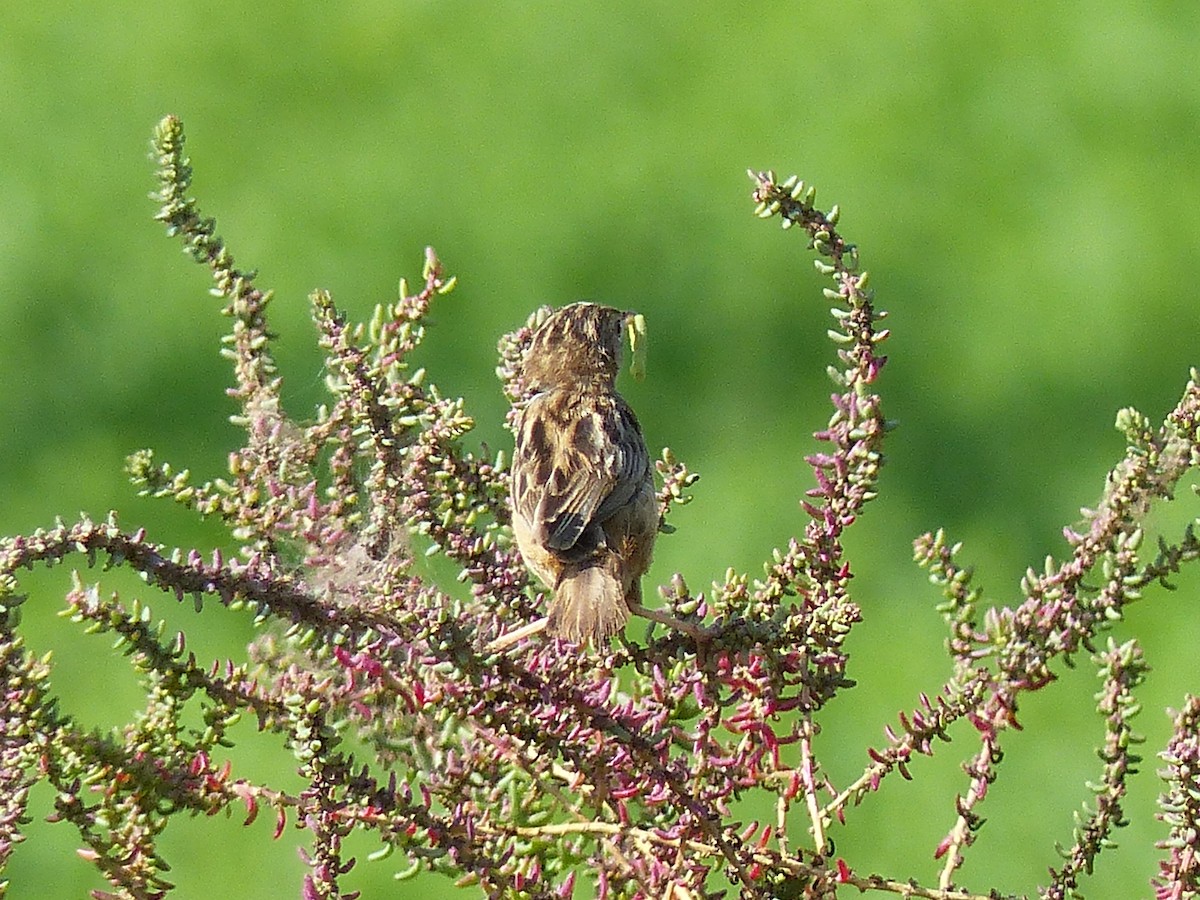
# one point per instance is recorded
(582, 461)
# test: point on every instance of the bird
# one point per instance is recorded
(584, 511)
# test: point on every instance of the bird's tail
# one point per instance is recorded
(589, 605)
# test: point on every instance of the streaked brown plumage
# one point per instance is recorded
(584, 512)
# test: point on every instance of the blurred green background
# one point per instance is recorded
(1022, 180)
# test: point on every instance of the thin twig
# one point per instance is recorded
(808, 779)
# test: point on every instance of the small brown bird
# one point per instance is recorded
(584, 512)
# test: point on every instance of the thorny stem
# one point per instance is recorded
(1122, 668)
(791, 865)
(808, 779)
(961, 700)
(982, 771)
